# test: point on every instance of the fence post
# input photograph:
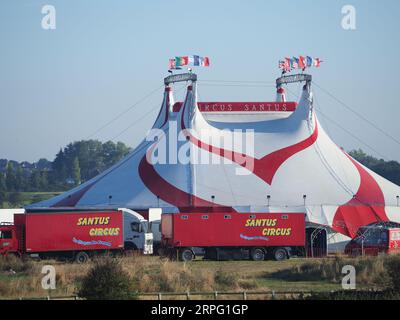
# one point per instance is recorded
(187, 295)
(244, 295)
(159, 296)
(215, 295)
(273, 294)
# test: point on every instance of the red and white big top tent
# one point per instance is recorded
(297, 167)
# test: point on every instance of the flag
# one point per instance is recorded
(302, 62)
(196, 60)
(309, 61)
(284, 65)
(317, 62)
(172, 64)
(182, 61)
(288, 63)
(295, 63)
(205, 62)
(193, 60)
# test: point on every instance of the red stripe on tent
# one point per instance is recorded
(166, 191)
(266, 167)
(367, 205)
(241, 106)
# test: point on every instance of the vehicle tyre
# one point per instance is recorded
(81, 257)
(186, 255)
(257, 254)
(280, 254)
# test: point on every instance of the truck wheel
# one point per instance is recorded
(257, 254)
(81, 257)
(280, 254)
(187, 255)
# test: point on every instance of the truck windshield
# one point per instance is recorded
(145, 226)
(139, 227)
(7, 234)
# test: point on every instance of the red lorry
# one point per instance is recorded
(374, 240)
(73, 235)
(232, 235)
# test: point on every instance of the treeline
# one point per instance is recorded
(387, 169)
(76, 163)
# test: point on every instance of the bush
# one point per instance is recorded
(16, 264)
(107, 280)
(393, 270)
(225, 280)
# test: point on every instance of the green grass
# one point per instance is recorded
(29, 198)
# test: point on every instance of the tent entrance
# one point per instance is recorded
(316, 241)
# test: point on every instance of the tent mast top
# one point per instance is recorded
(293, 78)
(181, 77)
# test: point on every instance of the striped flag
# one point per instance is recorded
(309, 61)
(193, 60)
(204, 62)
(302, 62)
(317, 62)
(295, 63)
(182, 61)
(171, 64)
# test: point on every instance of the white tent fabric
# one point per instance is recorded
(294, 167)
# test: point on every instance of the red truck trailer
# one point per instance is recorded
(233, 235)
(72, 235)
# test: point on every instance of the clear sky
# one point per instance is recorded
(62, 85)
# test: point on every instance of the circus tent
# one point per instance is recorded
(244, 157)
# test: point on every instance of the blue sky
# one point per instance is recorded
(59, 86)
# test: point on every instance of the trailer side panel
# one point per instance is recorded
(236, 229)
(68, 231)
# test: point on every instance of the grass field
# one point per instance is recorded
(152, 274)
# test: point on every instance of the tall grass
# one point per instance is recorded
(22, 278)
(370, 271)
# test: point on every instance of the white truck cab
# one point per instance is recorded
(137, 234)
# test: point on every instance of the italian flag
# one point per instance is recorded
(182, 61)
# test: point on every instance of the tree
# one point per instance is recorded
(15, 198)
(43, 181)
(76, 171)
(10, 178)
(20, 181)
(387, 169)
(3, 186)
(3, 197)
(107, 280)
(34, 180)
(93, 158)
